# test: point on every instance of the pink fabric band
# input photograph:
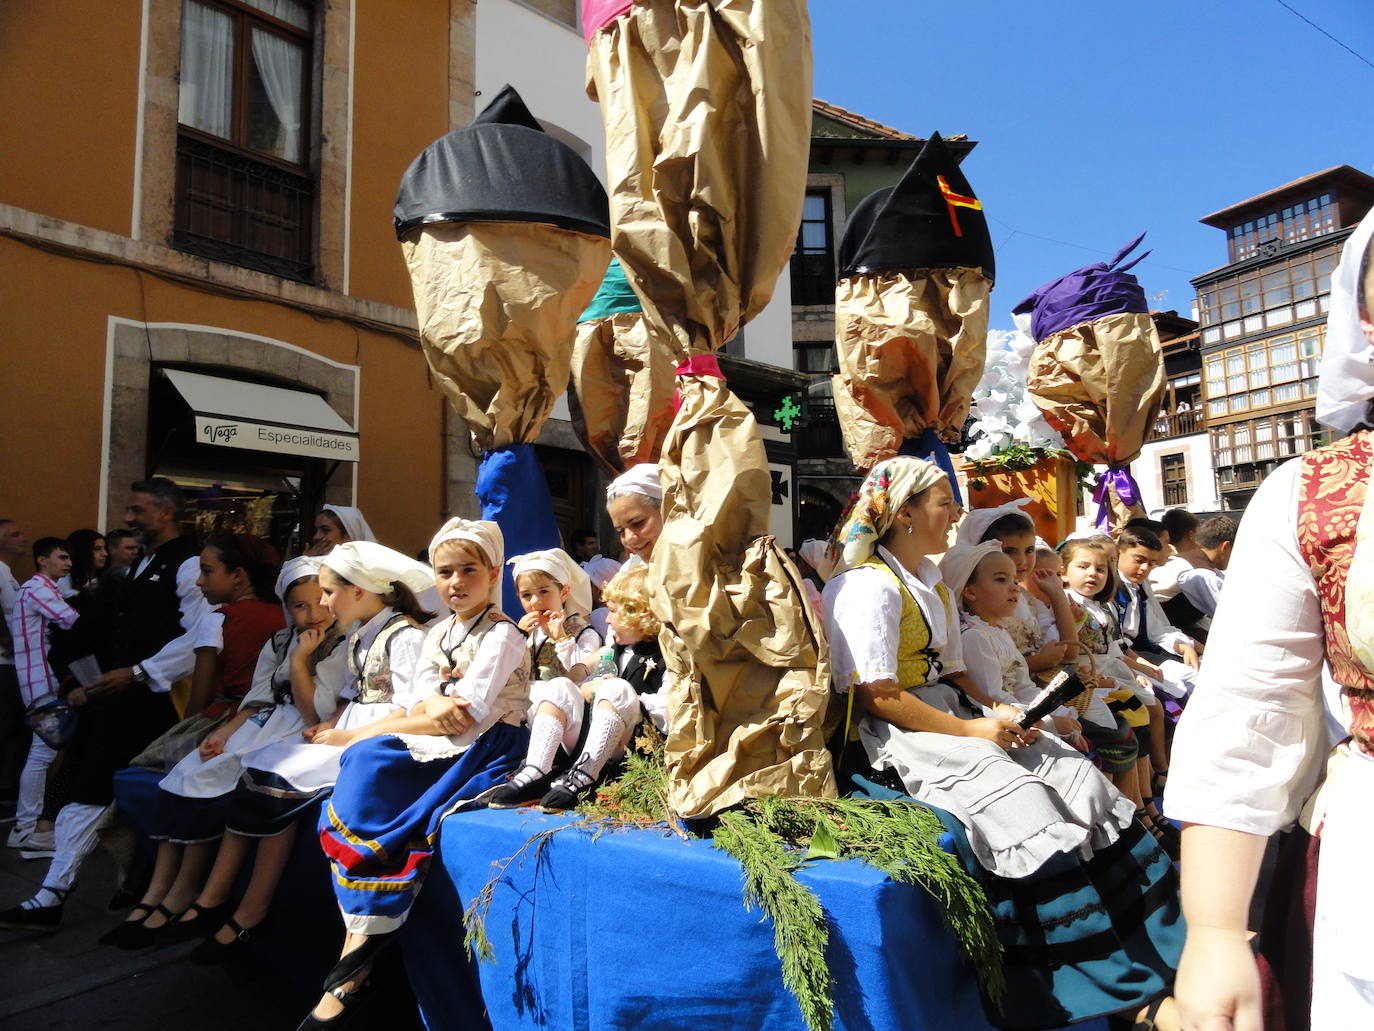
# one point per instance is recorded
(597, 14)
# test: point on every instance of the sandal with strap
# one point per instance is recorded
(212, 950)
(1158, 782)
(1169, 845)
(346, 999)
(351, 964)
(116, 934)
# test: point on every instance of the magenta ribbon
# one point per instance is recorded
(700, 365)
(1123, 484)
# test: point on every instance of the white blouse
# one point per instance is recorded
(863, 619)
(498, 656)
(1252, 740)
(995, 665)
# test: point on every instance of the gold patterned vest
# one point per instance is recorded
(1334, 538)
(514, 697)
(917, 662)
(544, 661)
(374, 679)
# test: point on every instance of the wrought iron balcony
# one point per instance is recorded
(233, 208)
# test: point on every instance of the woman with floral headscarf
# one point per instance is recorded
(1019, 805)
(1256, 738)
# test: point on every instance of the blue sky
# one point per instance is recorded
(1096, 121)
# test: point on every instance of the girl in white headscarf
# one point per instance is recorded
(556, 594)
(297, 684)
(457, 736)
(1026, 805)
(1254, 741)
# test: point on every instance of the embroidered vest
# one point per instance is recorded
(1331, 504)
(544, 661)
(374, 679)
(514, 696)
(917, 662)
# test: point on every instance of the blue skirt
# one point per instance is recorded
(1080, 938)
(163, 816)
(380, 828)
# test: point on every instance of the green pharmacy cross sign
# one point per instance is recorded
(788, 413)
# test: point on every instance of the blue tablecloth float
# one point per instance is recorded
(625, 929)
(641, 929)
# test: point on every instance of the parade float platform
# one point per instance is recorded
(624, 928)
(643, 929)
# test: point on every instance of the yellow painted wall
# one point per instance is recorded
(69, 79)
(400, 106)
(55, 311)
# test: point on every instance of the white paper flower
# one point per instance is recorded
(1003, 412)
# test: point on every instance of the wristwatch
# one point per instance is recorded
(140, 674)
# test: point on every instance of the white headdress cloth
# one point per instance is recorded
(558, 564)
(375, 567)
(959, 562)
(813, 551)
(483, 534)
(601, 570)
(1347, 371)
(638, 479)
(292, 570)
(976, 523)
(352, 521)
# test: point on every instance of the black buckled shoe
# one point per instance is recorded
(512, 796)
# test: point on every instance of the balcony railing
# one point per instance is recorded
(1176, 424)
(234, 209)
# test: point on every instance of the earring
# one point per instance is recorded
(908, 531)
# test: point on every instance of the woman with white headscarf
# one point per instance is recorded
(1254, 743)
(338, 524)
(895, 647)
(634, 501)
(1019, 805)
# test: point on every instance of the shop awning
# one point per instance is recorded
(256, 417)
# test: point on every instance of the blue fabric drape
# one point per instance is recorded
(515, 496)
(930, 447)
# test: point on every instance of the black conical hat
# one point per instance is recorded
(503, 167)
(930, 219)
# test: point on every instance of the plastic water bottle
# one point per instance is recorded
(605, 665)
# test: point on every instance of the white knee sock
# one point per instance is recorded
(546, 733)
(606, 732)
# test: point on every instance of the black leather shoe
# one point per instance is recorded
(44, 919)
(211, 951)
(511, 796)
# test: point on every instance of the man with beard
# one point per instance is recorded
(148, 648)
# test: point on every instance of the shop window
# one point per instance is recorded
(813, 259)
(245, 193)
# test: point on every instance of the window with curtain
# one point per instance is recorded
(245, 188)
